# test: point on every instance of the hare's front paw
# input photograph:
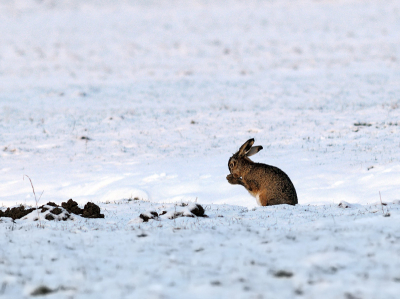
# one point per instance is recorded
(232, 180)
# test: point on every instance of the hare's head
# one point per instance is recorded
(238, 161)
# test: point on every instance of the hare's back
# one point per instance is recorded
(271, 172)
(277, 183)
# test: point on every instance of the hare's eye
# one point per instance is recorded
(232, 164)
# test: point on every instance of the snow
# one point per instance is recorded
(115, 100)
(235, 252)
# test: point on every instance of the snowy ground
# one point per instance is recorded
(275, 252)
(166, 91)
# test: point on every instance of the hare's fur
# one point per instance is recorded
(268, 184)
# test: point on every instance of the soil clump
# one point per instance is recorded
(16, 212)
(62, 212)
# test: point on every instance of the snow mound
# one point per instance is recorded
(49, 212)
(172, 212)
(346, 205)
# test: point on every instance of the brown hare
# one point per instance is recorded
(268, 184)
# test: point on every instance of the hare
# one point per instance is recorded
(268, 184)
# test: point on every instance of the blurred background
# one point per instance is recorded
(103, 100)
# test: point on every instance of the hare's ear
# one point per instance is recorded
(254, 150)
(246, 147)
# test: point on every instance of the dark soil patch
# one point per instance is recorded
(148, 215)
(56, 211)
(90, 210)
(361, 124)
(49, 217)
(72, 207)
(197, 210)
(41, 291)
(283, 274)
(16, 213)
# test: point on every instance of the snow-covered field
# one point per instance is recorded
(105, 101)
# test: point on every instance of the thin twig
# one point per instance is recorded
(36, 200)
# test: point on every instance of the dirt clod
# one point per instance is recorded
(197, 210)
(72, 207)
(41, 290)
(144, 217)
(283, 274)
(148, 215)
(49, 217)
(16, 213)
(56, 211)
(92, 210)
